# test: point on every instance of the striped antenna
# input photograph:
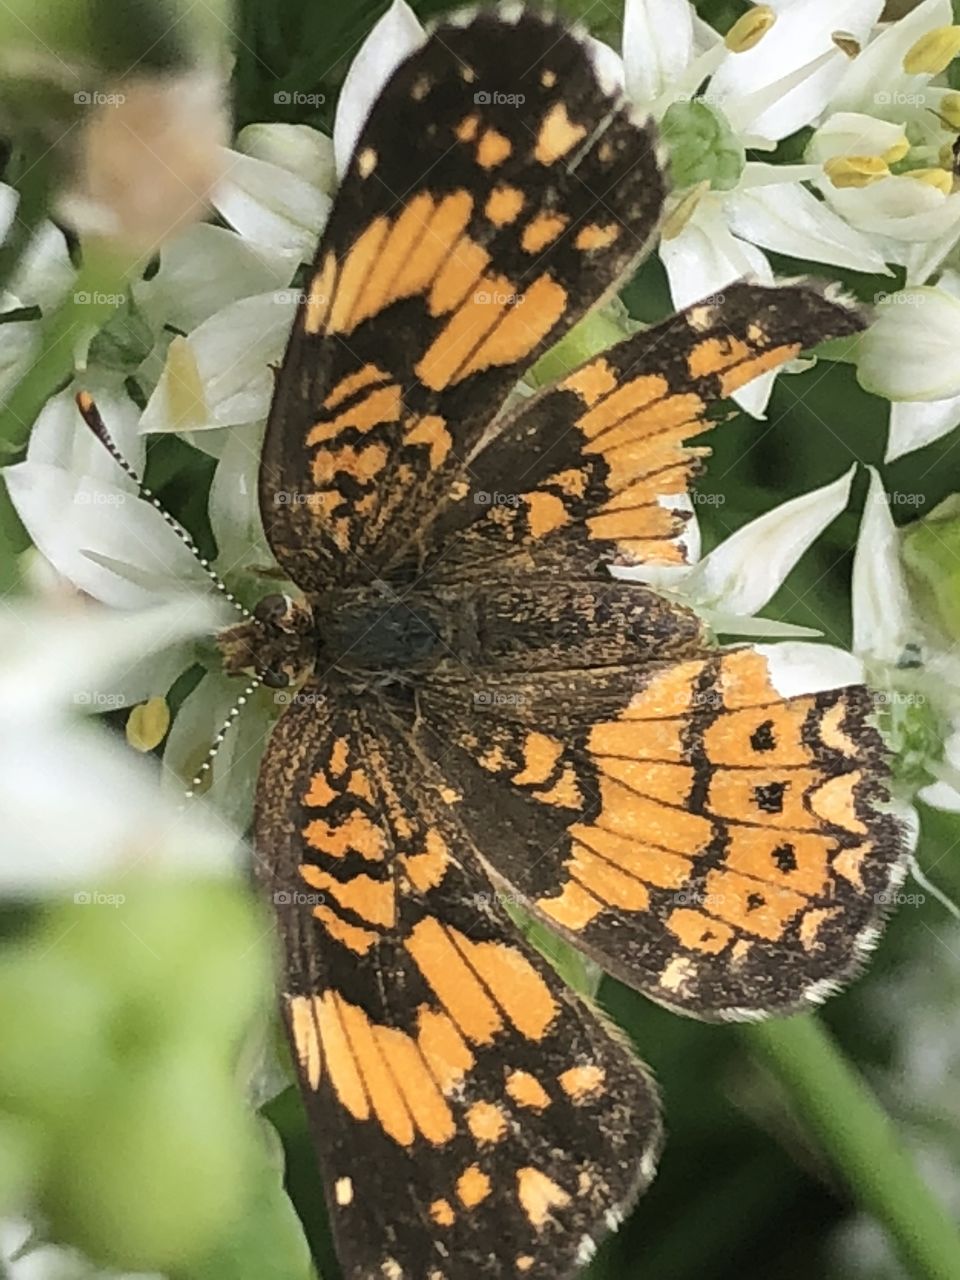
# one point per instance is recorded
(235, 710)
(91, 416)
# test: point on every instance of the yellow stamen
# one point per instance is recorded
(682, 212)
(950, 110)
(896, 152)
(750, 28)
(939, 179)
(855, 171)
(184, 387)
(147, 724)
(933, 52)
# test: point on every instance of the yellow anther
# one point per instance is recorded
(855, 171)
(940, 179)
(749, 28)
(147, 724)
(933, 52)
(896, 152)
(682, 212)
(949, 110)
(846, 43)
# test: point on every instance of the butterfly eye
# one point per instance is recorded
(271, 608)
(275, 679)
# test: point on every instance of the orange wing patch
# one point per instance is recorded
(632, 411)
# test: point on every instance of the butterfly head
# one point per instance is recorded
(277, 644)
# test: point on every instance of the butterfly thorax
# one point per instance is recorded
(371, 628)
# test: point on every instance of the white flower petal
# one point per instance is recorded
(704, 35)
(205, 269)
(145, 677)
(871, 78)
(393, 38)
(303, 151)
(797, 667)
(198, 722)
(802, 89)
(68, 515)
(53, 658)
(21, 340)
(272, 206)
(789, 219)
(607, 64)
(79, 809)
(705, 257)
(755, 396)
(910, 350)
(45, 273)
(220, 375)
(882, 615)
(234, 506)
(701, 261)
(940, 795)
(802, 32)
(46, 1261)
(745, 571)
(853, 133)
(657, 45)
(897, 207)
(913, 425)
(944, 794)
(924, 258)
(738, 624)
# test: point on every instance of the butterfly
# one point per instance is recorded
(477, 709)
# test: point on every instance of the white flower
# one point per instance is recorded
(764, 82)
(735, 580)
(276, 189)
(76, 807)
(910, 355)
(19, 1260)
(908, 657)
(771, 74)
(886, 142)
(45, 273)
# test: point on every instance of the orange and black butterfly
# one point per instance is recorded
(482, 709)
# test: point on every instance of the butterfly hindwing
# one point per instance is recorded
(497, 190)
(597, 469)
(710, 837)
(473, 1118)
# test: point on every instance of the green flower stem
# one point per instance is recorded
(97, 292)
(854, 1131)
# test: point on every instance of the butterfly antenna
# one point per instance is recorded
(91, 416)
(211, 755)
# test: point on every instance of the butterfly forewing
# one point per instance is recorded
(497, 190)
